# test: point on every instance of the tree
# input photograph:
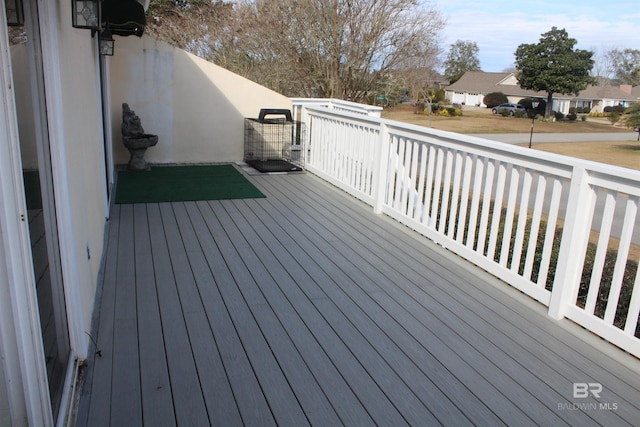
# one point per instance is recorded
(462, 57)
(330, 48)
(196, 26)
(554, 66)
(625, 65)
(339, 48)
(602, 69)
(632, 118)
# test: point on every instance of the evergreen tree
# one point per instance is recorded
(554, 66)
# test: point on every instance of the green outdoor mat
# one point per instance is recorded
(183, 183)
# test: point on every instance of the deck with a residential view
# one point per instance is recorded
(306, 308)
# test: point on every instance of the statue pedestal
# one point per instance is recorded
(137, 161)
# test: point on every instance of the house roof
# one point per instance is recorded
(483, 82)
(604, 92)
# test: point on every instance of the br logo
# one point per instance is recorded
(584, 390)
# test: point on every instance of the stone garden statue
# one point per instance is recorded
(135, 139)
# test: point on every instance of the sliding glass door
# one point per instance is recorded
(28, 76)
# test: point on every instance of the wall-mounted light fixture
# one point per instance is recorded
(106, 43)
(86, 14)
(15, 13)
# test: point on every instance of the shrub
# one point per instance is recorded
(558, 115)
(438, 95)
(453, 111)
(444, 112)
(519, 114)
(572, 116)
(614, 117)
(583, 118)
(419, 108)
(614, 109)
(504, 112)
(495, 98)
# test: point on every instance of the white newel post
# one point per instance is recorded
(575, 237)
(381, 162)
(302, 115)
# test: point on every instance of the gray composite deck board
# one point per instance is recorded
(125, 388)
(155, 384)
(306, 308)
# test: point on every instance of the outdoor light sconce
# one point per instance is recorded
(108, 18)
(15, 13)
(86, 14)
(106, 43)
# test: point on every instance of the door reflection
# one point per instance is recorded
(28, 78)
(54, 334)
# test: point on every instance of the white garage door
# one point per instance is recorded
(458, 98)
(473, 99)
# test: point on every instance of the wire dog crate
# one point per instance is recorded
(274, 144)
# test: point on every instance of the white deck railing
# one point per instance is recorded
(338, 105)
(526, 216)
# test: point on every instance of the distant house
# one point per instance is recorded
(474, 85)
(598, 97)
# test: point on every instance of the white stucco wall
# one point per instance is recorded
(195, 107)
(84, 150)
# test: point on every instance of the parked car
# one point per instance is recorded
(512, 108)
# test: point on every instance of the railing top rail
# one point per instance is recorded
(337, 102)
(320, 110)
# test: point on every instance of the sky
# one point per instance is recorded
(499, 27)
